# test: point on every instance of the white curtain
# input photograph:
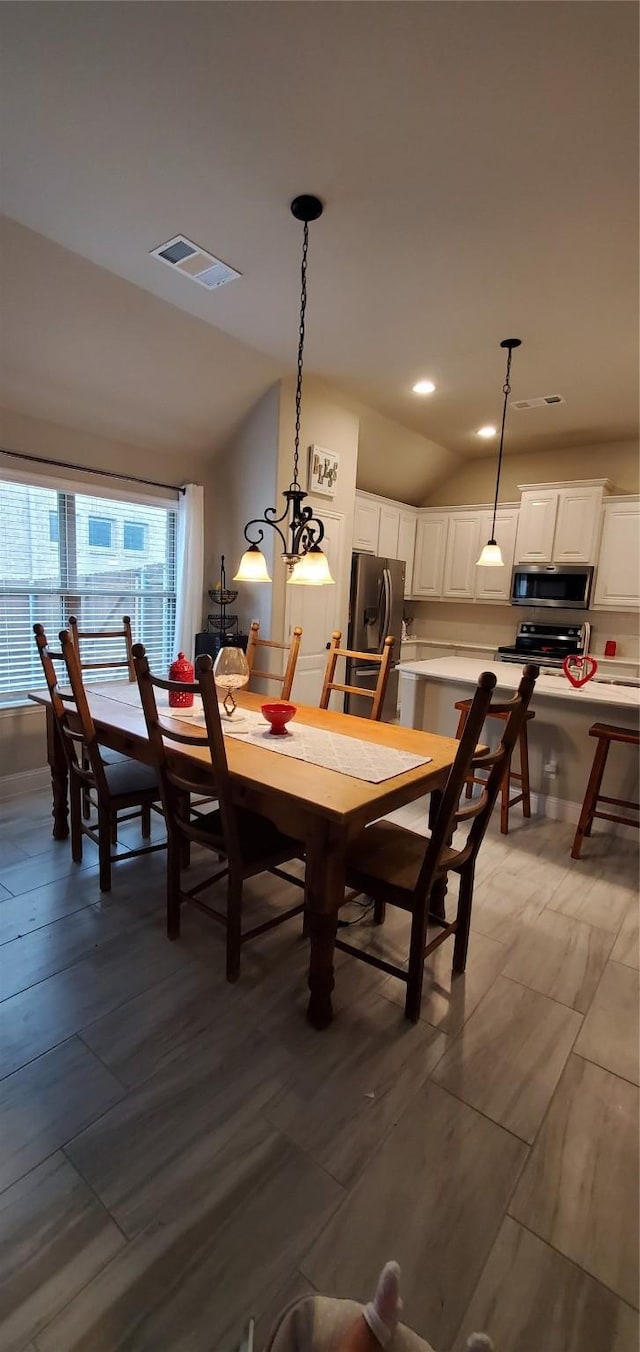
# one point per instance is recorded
(189, 568)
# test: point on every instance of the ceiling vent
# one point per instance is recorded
(537, 403)
(194, 263)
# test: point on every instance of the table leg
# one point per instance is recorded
(59, 778)
(439, 889)
(324, 894)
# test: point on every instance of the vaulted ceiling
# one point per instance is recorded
(478, 164)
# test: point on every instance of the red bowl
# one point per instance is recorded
(277, 715)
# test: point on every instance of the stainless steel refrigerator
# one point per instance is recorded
(375, 611)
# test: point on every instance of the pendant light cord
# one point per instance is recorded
(506, 390)
(303, 308)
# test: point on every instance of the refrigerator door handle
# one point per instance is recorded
(387, 603)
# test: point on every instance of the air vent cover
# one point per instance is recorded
(194, 263)
(538, 402)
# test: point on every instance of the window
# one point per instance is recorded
(134, 535)
(100, 532)
(83, 572)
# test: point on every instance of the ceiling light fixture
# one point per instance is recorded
(424, 387)
(491, 556)
(487, 431)
(306, 561)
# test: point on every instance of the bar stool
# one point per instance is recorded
(606, 733)
(521, 776)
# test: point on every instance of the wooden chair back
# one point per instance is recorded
(109, 663)
(176, 781)
(468, 759)
(377, 695)
(78, 726)
(292, 650)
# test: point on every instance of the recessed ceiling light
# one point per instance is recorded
(486, 431)
(424, 387)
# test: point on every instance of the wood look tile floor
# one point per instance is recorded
(177, 1153)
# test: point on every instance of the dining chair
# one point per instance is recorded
(376, 695)
(118, 787)
(245, 842)
(292, 650)
(393, 865)
(110, 662)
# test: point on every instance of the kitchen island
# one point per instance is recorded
(560, 748)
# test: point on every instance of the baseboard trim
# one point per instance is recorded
(28, 781)
(563, 810)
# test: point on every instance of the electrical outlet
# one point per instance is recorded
(551, 768)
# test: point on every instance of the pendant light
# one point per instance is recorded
(307, 563)
(491, 556)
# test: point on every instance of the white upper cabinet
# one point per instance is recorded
(428, 565)
(578, 525)
(560, 523)
(461, 556)
(407, 547)
(366, 525)
(388, 532)
(494, 584)
(617, 580)
(536, 526)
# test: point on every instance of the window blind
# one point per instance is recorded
(64, 553)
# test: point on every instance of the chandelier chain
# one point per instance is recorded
(506, 390)
(303, 309)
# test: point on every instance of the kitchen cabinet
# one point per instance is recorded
(366, 525)
(617, 578)
(536, 526)
(428, 564)
(577, 525)
(407, 547)
(461, 556)
(494, 584)
(560, 523)
(388, 528)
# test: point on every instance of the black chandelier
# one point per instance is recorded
(301, 551)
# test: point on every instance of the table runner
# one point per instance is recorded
(318, 746)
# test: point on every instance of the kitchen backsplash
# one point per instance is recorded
(494, 625)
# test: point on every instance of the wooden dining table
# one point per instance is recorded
(321, 808)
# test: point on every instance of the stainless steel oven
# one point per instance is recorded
(568, 587)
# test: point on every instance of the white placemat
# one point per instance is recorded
(347, 755)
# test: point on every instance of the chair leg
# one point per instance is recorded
(113, 831)
(174, 850)
(86, 801)
(234, 927)
(75, 802)
(505, 790)
(145, 821)
(591, 797)
(465, 899)
(415, 976)
(524, 771)
(379, 912)
(104, 846)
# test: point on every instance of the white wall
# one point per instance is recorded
(475, 480)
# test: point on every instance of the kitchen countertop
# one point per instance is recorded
(466, 670)
(601, 659)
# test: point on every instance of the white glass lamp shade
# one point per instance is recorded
(252, 567)
(491, 556)
(312, 570)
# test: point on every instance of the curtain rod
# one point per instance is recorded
(84, 469)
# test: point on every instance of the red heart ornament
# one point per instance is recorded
(579, 670)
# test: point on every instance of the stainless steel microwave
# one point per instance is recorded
(566, 586)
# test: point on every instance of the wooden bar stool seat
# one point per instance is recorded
(606, 733)
(521, 776)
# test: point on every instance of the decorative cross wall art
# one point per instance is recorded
(323, 471)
